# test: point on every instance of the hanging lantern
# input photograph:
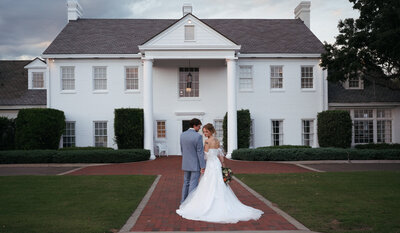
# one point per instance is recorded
(189, 83)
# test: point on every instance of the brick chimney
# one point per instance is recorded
(302, 11)
(74, 10)
(187, 8)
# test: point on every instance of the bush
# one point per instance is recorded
(378, 146)
(283, 147)
(74, 156)
(129, 128)
(39, 128)
(7, 133)
(298, 154)
(334, 129)
(243, 129)
(86, 148)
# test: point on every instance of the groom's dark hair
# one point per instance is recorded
(194, 122)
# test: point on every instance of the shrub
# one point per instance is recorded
(86, 148)
(283, 147)
(74, 156)
(243, 129)
(7, 133)
(129, 128)
(297, 154)
(39, 128)
(378, 146)
(334, 129)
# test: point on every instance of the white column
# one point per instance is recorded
(148, 105)
(232, 111)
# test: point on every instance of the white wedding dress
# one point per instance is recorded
(213, 200)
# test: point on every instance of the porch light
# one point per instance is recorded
(189, 82)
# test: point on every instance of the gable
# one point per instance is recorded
(204, 36)
(37, 63)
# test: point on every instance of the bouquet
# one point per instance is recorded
(227, 174)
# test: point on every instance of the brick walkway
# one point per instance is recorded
(159, 213)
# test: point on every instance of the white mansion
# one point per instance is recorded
(176, 70)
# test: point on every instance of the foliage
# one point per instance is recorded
(298, 154)
(73, 156)
(368, 46)
(283, 147)
(243, 129)
(129, 128)
(39, 128)
(378, 146)
(334, 128)
(7, 133)
(86, 148)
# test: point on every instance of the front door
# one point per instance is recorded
(185, 125)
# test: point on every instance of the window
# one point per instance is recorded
(277, 132)
(384, 126)
(355, 83)
(69, 134)
(276, 77)
(308, 132)
(219, 132)
(161, 129)
(189, 32)
(100, 133)
(188, 86)
(67, 78)
(100, 78)
(252, 134)
(307, 77)
(37, 80)
(363, 126)
(131, 78)
(245, 78)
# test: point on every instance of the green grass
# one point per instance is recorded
(69, 203)
(335, 202)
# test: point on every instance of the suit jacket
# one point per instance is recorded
(192, 151)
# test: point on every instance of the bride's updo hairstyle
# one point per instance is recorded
(210, 128)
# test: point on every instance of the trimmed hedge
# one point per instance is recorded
(39, 128)
(378, 146)
(73, 156)
(313, 154)
(86, 148)
(7, 133)
(334, 129)
(243, 129)
(283, 147)
(129, 128)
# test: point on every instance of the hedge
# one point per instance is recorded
(39, 128)
(7, 133)
(283, 147)
(129, 128)
(73, 156)
(334, 129)
(243, 129)
(378, 146)
(313, 154)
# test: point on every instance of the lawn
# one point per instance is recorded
(69, 203)
(335, 202)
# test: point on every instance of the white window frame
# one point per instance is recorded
(185, 32)
(62, 79)
(303, 78)
(69, 135)
(310, 133)
(219, 132)
(273, 78)
(94, 79)
(95, 135)
(249, 79)
(165, 129)
(280, 132)
(386, 118)
(33, 80)
(126, 79)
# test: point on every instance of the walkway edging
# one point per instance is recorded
(134, 217)
(286, 216)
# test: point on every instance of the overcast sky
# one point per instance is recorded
(27, 27)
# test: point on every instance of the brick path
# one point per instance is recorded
(159, 213)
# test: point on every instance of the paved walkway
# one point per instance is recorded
(159, 213)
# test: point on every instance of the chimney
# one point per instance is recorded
(187, 8)
(74, 10)
(302, 11)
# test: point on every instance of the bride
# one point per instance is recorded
(213, 200)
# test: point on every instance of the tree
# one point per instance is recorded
(367, 47)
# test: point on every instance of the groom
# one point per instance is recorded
(192, 157)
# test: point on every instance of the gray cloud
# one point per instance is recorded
(27, 27)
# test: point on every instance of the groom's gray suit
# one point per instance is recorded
(192, 160)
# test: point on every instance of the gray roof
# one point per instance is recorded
(372, 92)
(14, 85)
(122, 36)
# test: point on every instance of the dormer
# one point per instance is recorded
(355, 83)
(36, 74)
